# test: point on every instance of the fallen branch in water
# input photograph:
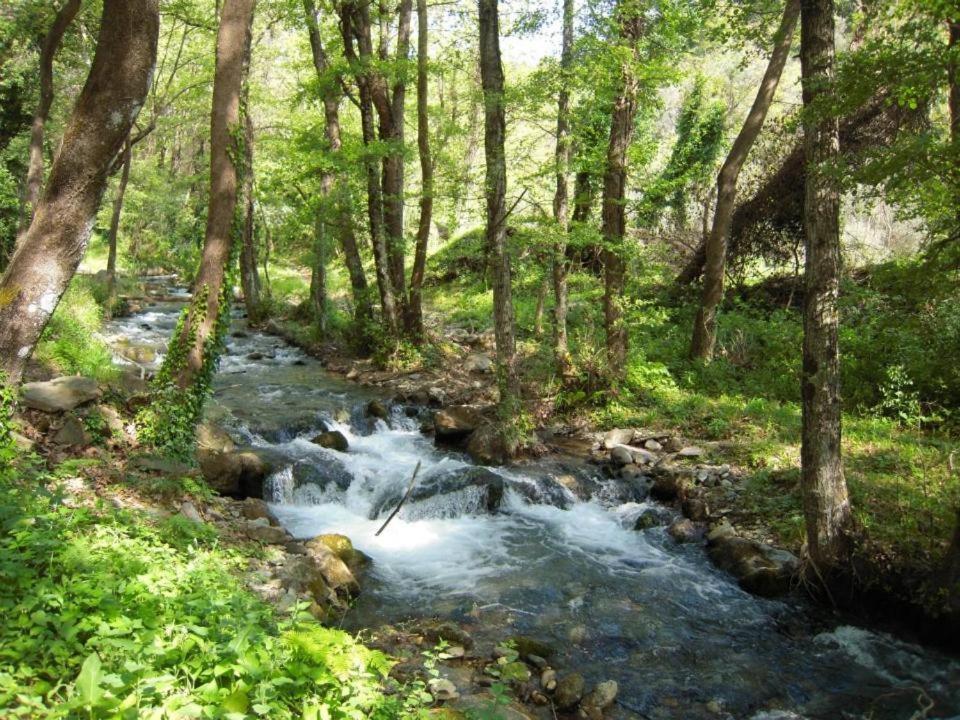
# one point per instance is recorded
(402, 500)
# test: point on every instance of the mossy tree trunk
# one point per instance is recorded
(630, 22)
(125, 161)
(825, 501)
(48, 256)
(561, 199)
(495, 130)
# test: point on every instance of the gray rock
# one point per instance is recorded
(615, 437)
(653, 446)
(642, 457)
(478, 363)
(60, 394)
(443, 689)
(486, 446)
(190, 512)
(569, 691)
(602, 696)
(265, 533)
(73, 433)
(685, 531)
(631, 472)
(548, 679)
(691, 451)
(621, 456)
(435, 631)
(377, 409)
(695, 509)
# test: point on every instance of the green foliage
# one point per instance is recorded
(104, 616)
(70, 343)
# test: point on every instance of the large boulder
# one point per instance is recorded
(342, 547)
(325, 474)
(487, 447)
(60, 394)
(455, 423)
(759, 569)
(332, 440)
(335, 571)
(448, 494)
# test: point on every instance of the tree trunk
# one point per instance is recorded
(115, 227)
(705, 325)
(51, 250)
(318, 276)
(614, 196)
(491, 71)
(826, 505)
(415, 305)
(51, 44)
(358, 48)
(206, 318)
(363, 312)
(561, 199)
(249, 271)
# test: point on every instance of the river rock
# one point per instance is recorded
(377, 409)
(190, 512)
(442, 689)
(433, 489)
(759, 569)
(691, 451)
(601, 697)
(617, 436)
(527, 646)
(342, 547)
(332, 440)
(652, 445)
(453, 424)
(300, 574)
(548, 679)
(621, 456)
(720, 531)
(72, 433)
(685, 531)
(486, 446)
(262, 531)
(478, 363)
(695, 509)
(60, 394)
(651, 517)
(237, 473)
(336, 573)
(255, 508)
(669, 486)
(485, 705)
(569, 691)
(436, 630)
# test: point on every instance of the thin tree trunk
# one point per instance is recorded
(614, 196)
(115, 227)
(41, 268)
(826, 505)
(415, 305)
(318, 278)
(249, 271)
(204, 322)
(393, 163)
(705, 325)
(491, 70)
(363, 311)
(355, 27)
(541, 306)
(51, 44)
(561, 199)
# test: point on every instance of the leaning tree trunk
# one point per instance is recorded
(204, 320)
(249, 272)
(491, 72)
(51, 43)
(115, 226)
(614, 197)
(705, 325)
(825, 501)
(415, 304)
(51, 250)
(363, 311)
(561, 199)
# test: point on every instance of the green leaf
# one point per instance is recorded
(236, 702)
(88, 681)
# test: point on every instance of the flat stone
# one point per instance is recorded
(691, 451)
(60, 394)
(617, 436)
(478, 363)
(72, 434)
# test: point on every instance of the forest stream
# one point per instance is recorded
(680, 638)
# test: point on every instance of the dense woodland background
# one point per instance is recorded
(370, 208)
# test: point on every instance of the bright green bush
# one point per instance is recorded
(104, 616)
(70, 344)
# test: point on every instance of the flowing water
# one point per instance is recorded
(680, 638)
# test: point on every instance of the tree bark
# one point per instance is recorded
(51, 250)
(614, 195)
(825, 501)
(115, 226)
(51, 44)
(332, 96)
(249, 272)
(491, 72)
(705, 325)
(223, 228)
(415, 304)
(561, 199)
(358, 49)
(318, 275)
